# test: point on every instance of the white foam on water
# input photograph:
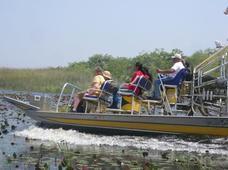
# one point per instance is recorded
(77, 138)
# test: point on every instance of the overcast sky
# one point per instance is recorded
(43, 33)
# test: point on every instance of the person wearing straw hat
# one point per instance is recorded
(107, 75)
(177, 66)
(171, 73)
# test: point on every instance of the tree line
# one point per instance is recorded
(80, 73)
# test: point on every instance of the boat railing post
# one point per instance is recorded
(60, 96)
(226, 78)
(222, 68)
(165, 98)
(72, 93)
(71, 96)
(227, 96)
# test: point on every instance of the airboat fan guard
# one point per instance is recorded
(210, 85)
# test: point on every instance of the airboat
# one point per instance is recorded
(197, 107)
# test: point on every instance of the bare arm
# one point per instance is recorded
(95, 85)
(94, 88)
(167, 71)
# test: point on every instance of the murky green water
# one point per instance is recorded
(23, 145)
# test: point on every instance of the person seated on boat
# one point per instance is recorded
(95, 86)
(113, 89)
(107, 75)
(189, 75)
(170, 74)
(138, 72)
(128, 86)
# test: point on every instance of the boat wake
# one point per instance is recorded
(162, 143)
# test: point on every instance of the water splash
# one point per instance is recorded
(73, 137)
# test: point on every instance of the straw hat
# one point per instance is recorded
(107, 74)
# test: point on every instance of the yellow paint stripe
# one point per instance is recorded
(216, 131)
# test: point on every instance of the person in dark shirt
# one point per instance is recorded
(189, 76)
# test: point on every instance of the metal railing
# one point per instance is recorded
(164, 97)
(207, 93)
(74, 88)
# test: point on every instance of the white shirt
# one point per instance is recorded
(177, 67)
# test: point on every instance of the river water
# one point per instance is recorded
(24, 145)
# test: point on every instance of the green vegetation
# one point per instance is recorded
(80, 73)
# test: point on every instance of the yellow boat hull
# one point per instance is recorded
(160, 124)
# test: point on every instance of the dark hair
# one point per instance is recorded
(98, 69)
(139, 65)
(187, 64)
(145, 71)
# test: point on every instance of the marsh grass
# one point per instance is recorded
(43, 80)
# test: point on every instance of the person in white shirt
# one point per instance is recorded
(171, 73)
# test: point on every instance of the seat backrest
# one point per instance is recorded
(105, 92)
(177, 80)
(145, 84)
(107, 86)
(142, 83)
(136, 80)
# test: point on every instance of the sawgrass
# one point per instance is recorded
(42, 80)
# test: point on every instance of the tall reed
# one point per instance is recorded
(42, 80)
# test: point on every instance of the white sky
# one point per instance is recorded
(42, 33)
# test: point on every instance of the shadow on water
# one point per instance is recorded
(23, 145)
